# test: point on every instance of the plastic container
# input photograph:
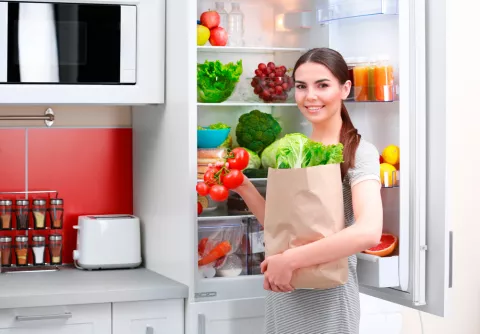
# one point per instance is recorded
(6, 251)
(6, 214)
(384, 80)
(213, 233)
(22, 214)
(211, 138)
(55, 247)
(21, 250)
(272, 89)
(38, 250)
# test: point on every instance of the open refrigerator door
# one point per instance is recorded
(383, 42)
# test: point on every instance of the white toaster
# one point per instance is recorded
(107, 242)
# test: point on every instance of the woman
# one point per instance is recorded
(321, 85)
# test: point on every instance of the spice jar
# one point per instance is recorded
(21, 250)
(22, 214)
(39, 210)
(6, 214)
(6, 251)
(55, 246)
(38, 248)
(56, 213)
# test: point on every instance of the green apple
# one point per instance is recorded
(203, 34)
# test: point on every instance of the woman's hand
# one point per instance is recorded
(278, 273)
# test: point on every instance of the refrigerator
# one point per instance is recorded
(407, 34)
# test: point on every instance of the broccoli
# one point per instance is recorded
(256, 130)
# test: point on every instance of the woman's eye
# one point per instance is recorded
(323, 85)
(300, 86)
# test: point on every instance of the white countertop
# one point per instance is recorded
(70, 286)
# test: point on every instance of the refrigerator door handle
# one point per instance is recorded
(201, 324)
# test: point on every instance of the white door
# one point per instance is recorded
(420, 274)
(230, 317)
(72, 319)
(149, 317)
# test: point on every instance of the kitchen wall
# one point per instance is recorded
(86, 156)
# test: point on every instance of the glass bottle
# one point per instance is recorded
(55, 247)
(235, 26)
(39, 210)
(56, 213)
(22, 213)
(6, 214)
(21, 250)
(220, 8)
(38, 249)
(6, 251)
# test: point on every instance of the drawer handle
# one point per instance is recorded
(66, 315)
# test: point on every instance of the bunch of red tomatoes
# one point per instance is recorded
(223, 176)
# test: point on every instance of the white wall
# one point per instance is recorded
(463, 86)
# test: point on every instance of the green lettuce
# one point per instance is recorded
(296, 150)
(216, 81)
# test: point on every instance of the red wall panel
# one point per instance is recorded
(12, 160)
(90, 168)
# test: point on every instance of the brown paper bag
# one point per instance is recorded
(304, 205)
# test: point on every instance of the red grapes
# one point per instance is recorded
(272, 83)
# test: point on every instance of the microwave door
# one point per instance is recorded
(3, 41)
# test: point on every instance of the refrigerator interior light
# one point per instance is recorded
(293, 21)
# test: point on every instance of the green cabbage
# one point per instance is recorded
(254, 162)
(296, 150)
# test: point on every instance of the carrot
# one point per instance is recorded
(217, 252)
(201, 246)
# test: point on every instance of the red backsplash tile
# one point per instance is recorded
(12, 160)
(90, 168)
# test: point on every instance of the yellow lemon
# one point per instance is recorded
(203, 34)
(391, 154)
(389, 169)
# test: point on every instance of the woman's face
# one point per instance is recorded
(318, 92)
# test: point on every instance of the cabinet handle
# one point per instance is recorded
(66, 315)
(201, 324)
(149, 330)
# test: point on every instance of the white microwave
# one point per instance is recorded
(68, 43)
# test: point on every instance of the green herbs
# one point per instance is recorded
(296, 150)
(216, 81)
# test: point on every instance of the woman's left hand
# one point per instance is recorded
(277, 273)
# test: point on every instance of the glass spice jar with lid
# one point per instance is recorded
(38, 249)
(6, 251)
(56, 213)
(22, 210)
(6, 214)
(55, 247)
(39, 211)
(21, 250)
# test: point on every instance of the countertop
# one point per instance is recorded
(69, 286)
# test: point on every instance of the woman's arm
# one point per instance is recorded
(254, 200)
(365, 233)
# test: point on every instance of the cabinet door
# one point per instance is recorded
(149, 317)
(73, 319)
(231, 317)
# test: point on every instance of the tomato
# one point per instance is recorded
(209, 177)
(199, 208)
(233, 179)
(240, 159)
(202, 188)
(219, 193)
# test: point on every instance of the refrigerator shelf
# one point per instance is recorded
(255, 49)
(247, 104)
(335, 10)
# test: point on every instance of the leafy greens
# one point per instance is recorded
(216, 81)
(296, 150)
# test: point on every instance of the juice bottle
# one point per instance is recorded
(351, 63)
(384, 81)
(372, 64)
(360, 78)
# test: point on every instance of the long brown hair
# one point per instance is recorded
(349, 136)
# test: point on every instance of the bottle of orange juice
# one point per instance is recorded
(384, 80)
(360, 79)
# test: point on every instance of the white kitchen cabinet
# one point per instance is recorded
(231, 317)
(149, 317)
(71, 319)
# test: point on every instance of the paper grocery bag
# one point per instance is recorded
(304, 205)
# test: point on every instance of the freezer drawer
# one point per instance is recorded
(380, 272)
